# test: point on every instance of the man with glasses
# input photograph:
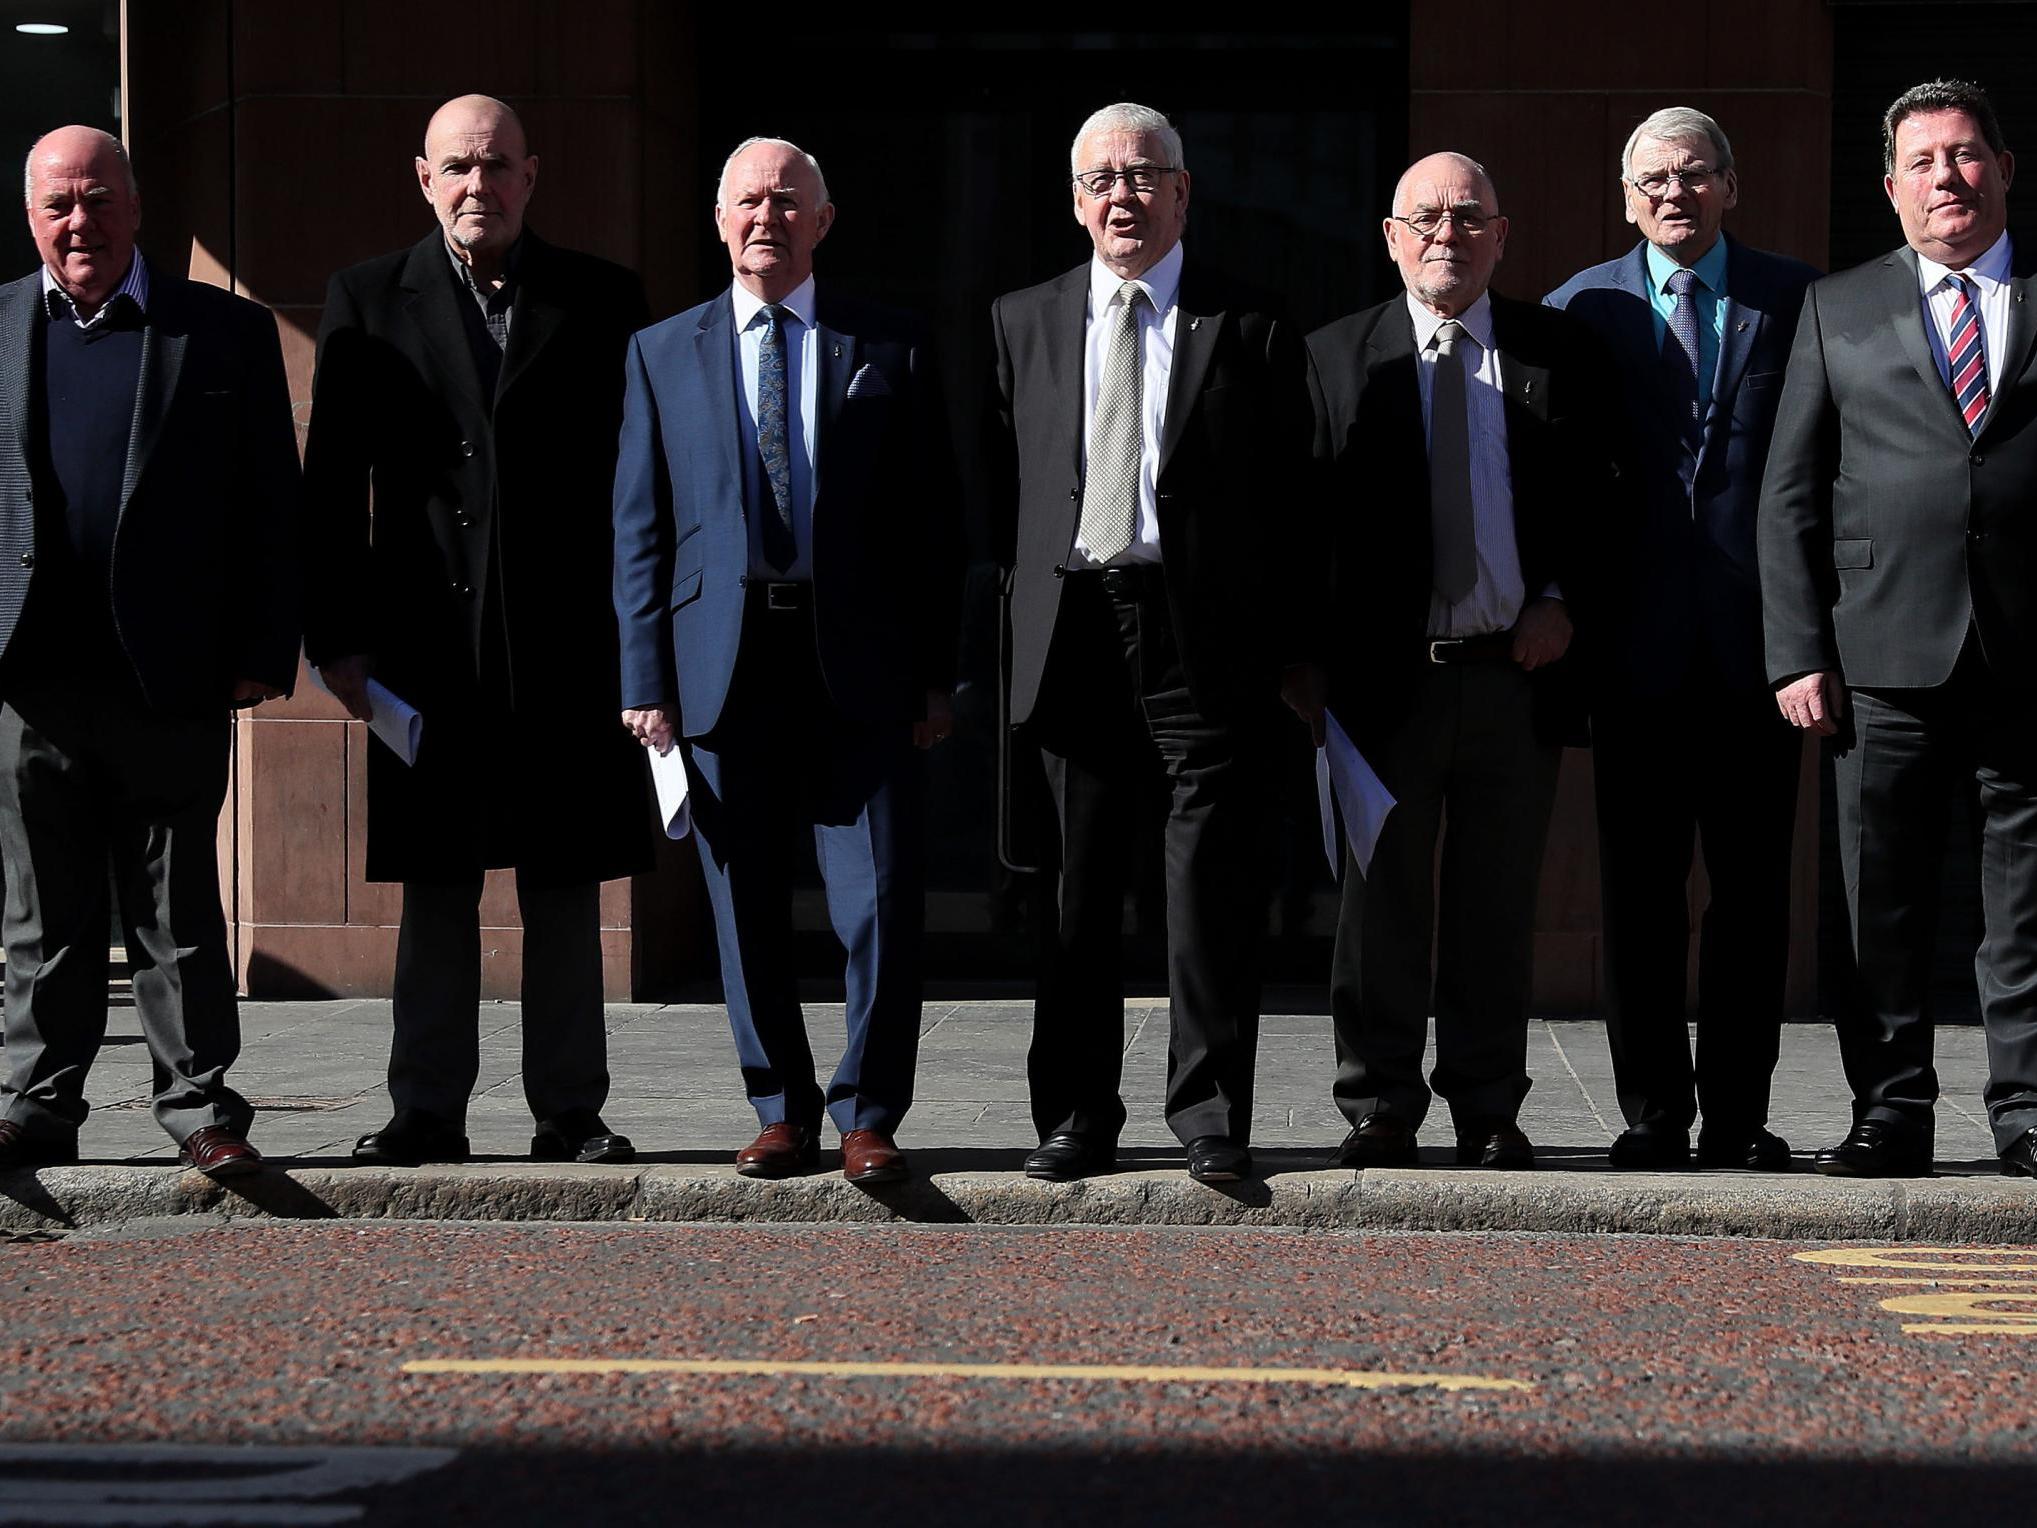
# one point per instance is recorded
(1459, 442)
(1151, 419)
(1899, 606)
(1699, 328)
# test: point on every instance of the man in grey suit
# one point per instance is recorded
(1699, 326)
(148, 500)
(1899, 601)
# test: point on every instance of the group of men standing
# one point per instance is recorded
(1659, 512)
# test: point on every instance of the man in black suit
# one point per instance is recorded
(148, 583)
(1459, 445)
(470, 388)
(1699, 327)
(1148, 412)
(787, 571)
(1899, 603)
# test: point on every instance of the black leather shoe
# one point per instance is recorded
(1651, 1148)
(1494, 1143)
(2019, 1157)
(1762, 1151)
(1218, 1159)
(411, 1139)
(1875, 1148)
(579, 1136)
(1065, 1155)
(20, 1149)
(1378, 1140)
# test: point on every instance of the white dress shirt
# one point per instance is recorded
(802, 382)
(1495, 600)
(1162, 285)
(1990, 276)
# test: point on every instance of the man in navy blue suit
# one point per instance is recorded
(787, 576)
(1686, 740)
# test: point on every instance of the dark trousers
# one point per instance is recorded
(1465, 764)
(84, 782)
(1114, 708)
(1718, 764)
(782, 763)
(1907, 757)
(436, 1053)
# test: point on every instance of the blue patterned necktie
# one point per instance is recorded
(773, 445)
(1680, 358)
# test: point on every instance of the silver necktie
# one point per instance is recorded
(1110, 487)
(1451, 536)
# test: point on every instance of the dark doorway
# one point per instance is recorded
(946, 154)
(51, 79)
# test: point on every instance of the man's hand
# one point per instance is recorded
(652, 726)
(252, 692)
(347, 678)
(1304, 687)
(940, 722)
(1815, 703)
(1542, 634)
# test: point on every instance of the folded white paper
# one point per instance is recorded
(397, 722)
(1345, 783)
(668, 773)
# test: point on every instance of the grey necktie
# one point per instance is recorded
(1110, 487)
(1451, 536)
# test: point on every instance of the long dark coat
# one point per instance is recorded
(464, 543)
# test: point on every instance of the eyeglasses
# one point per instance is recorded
(1142, 178)
(1696, 179)
(1426, 223)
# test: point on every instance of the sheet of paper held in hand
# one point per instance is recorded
(1346, 783)
(396, 722)
(668, 773)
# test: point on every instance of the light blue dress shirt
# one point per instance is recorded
(802, 381)
(1710, 297)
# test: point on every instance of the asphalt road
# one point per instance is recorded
(421, 1374)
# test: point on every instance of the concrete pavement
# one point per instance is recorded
(314, 1072)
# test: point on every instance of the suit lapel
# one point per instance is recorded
(1067, 321)
(1391, 376)
(162, 362)
(535, 316)
(1746, 311)
(714, 353)
(2021, 337)
(1196, 326)
(1635, 321)
(18, 301)
(1906, 307)
(836, 356)
(429, 304)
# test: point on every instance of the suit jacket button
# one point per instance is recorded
(465, 591)
(28, 559)
(1976, 458)
(1075, 494)
(466, 448)
(463, 519)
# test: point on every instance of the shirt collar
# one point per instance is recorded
(1989, 271)
(1476, 319)
(510, 262)
(1711, 270)
(798, 302)
(1162, 283)
(134, 287)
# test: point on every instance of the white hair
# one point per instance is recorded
(1671, 123)
(749, 143)
(106, 140)
(1129, 117)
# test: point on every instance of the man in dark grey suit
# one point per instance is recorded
(148, 498)
(1699, 326)
(1899, 600)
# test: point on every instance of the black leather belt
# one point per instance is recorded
(1489, 648)
(791, 595)
(1126, 582)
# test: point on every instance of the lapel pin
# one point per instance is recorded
(838, 352)
(1194, 324)
(1741, 326)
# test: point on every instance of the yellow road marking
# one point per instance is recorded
(1350, 1379)
(1967, 1278)
(1993, 1260)
(1941, 1283)
(1976, 1308)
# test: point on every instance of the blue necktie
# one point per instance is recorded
(1680, 359)
(773, 445)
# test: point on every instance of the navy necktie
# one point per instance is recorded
(1680, 359)
(773, 443)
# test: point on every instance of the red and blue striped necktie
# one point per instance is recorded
(1967, 352)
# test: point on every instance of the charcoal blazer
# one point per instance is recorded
(1679, 543)
(205, 587)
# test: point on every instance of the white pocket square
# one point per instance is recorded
(869, 383)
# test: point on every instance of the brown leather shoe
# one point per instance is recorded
(870, 1156)
(220, 1151)
(783, 1150)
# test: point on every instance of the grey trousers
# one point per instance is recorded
(436, 1054)
(84, 783)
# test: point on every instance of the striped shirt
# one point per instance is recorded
(134, 287)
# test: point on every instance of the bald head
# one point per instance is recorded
(1449, 267)
(1447, 168)
(478, 173)
(83, 212)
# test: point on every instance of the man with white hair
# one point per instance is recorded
(462, 428)
(1152, 427)
(148, 584)
(788, 577)
(1699, 327)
